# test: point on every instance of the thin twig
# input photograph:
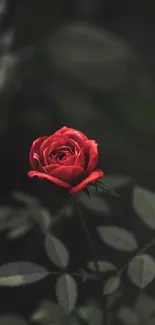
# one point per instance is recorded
(82, 274)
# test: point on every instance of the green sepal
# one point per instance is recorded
(106, 189)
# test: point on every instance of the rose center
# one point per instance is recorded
(61, 155)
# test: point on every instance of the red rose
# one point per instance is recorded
(67, 158)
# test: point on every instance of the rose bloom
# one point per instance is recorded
(67, 158)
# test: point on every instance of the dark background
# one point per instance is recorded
(87, 64)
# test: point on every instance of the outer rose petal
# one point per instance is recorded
(92, 148)
(51, 178)
(61, 131)
(35, 148)
(78, 136)
(69, 174)
(45, 157)
(91, 178)
(37, 159)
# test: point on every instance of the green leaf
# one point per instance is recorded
(43, 218)
(111, 285)
(150, 321)
(118, 238)
(3, 7)
(91, 56)
(19, 231)
(104, 266)
(48, 312)
(7, 68)
(71, 320)
(66, 292)
(144, 205)
(128, 316)
(56, 251)
(117, 181)
(66, 211)
(12, 319)
(5, 213)
(144, 306)
(91, 313)
(16, 218)
(114, 298)
(71, 95)
(106, 190)
(20, 273)
(141, 270)
(95, 204)
(17, 223)
(26, 199)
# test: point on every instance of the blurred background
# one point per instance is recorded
(89, 65)
(84, 64)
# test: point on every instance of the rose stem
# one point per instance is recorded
(95, 260)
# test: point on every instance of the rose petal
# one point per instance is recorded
(57, 181)
(90, 179)
(45, 156)
(39, 165)
(45, 144)
(69, 174)
(69, 161)
(61, 131)
(78, 136)
(35, 148)
(92, 147)
(51, 147)
(73, 144)
(77, 133)
(59, 140)
(54, 143)
(64, 148)
(51, 160)
(80, 160)
(49, 168)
